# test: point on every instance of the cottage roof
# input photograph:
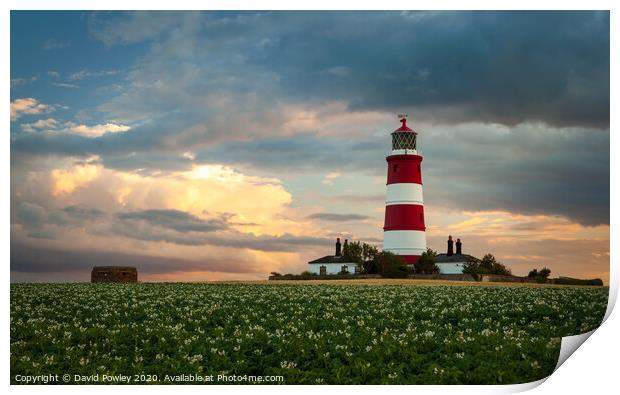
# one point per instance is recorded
(443, 258)
(330, 259)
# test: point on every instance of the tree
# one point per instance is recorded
(488, 265)
(491, 266)
(540, 275)
(391, 265)
(426, 264)
(365, 255)
(353, 252)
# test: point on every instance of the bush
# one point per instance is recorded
(488, 265)
(576, 281)
(392, 266)
(426, 264)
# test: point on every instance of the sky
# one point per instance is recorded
(226, 145)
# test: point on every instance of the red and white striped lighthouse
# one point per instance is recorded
(404, 230)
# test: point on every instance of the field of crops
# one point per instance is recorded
(304, 333)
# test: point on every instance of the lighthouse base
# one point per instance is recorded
(410, 259)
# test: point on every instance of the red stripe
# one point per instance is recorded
(404, 217)
(404, 168)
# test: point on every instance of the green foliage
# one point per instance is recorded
(331, 334)
(275, 274)
(392, 266)
(426, 264)
(487, 265)
(354, 252)
(545, 272)
(576, 281)
(365, 255)
(540, 276)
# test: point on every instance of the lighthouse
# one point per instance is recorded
(404, 229)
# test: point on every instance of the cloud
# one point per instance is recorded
(66, 181)
(83, 213)
(338, 217)
(29, 259)
(28, 106)
(330, 177)
(133, 27)
(49, 123)
(96, 130)
(23, 81)
(53, 74)
(451, 67)
(80, 75)
(523, 169)
(65, 85)
(175, 219)
(87, 131)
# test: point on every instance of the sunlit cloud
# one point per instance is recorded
(68, 180)
(97, 130)
(29, 106)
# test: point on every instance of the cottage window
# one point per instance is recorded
(323, 270)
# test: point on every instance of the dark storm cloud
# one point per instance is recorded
(29, 259)
(502, 67)
(146, 232)
(337, 217)
(448, 67)
(160, 225)
(482, 68)
(174, 219)
(528, 169)
(33, 218)
(302, 153)
(83, 213)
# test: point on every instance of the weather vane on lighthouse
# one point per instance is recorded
(404, 230)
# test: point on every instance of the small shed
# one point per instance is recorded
(114, 274)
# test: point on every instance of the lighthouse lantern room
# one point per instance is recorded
(404, 229)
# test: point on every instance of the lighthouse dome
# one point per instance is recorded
(403, 127)
(404, 138)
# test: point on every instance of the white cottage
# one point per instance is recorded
(333, 264)
(451, 263)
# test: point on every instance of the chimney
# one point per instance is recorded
(450, 246)
(458, 247)
(338, 251)
(345, 246)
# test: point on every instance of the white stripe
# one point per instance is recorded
(404, 242)
(404, 193)
(403, 152)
